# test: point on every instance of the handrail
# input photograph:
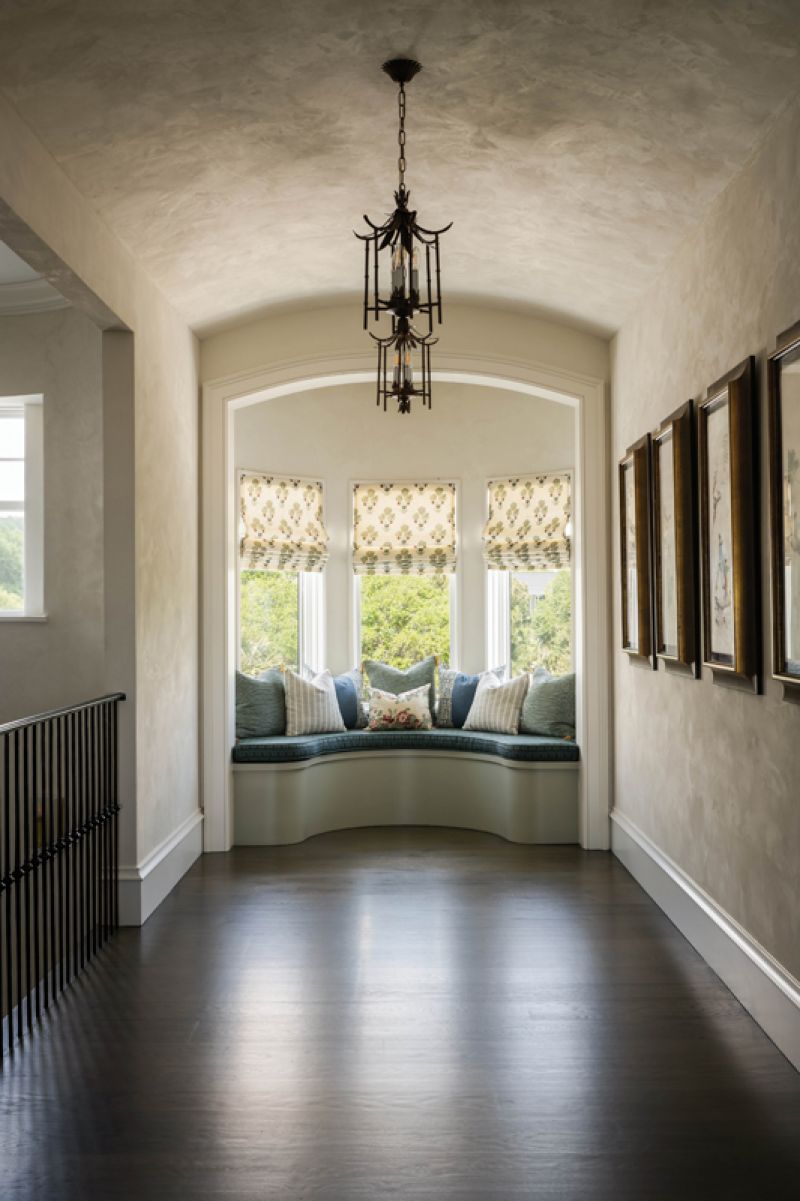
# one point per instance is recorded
(21, 722)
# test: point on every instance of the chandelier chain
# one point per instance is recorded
(401, 136)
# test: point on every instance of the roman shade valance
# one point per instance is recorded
(404, 529)
(529, 525)
(281, 524)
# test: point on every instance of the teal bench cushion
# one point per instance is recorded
(528, 748)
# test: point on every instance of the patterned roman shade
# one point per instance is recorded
(281, 527)
(529, 523)
(404, 529)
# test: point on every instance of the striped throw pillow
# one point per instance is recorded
(497, 707)
(311, 705)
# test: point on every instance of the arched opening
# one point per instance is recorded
(223, 400)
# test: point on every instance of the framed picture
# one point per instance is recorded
(729, 529)
(674, 542)
(784, 488)
(634, 514)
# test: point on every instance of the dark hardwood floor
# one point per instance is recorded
(410, 1014)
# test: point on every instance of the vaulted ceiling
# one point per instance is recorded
(234, 144)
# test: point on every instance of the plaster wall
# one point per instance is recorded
(44, 665)
(469, 331)
(40, 204)
(471, 434)
(712, 776)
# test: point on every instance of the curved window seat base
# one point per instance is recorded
(522, 800)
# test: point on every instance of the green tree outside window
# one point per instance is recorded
(404, 618)
(269, 620)
(541, 633)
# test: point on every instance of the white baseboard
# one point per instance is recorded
(767, 991)
(143, 888)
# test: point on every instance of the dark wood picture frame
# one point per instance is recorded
(729, 569)
(677, 648)
(635, 518)
(784, 506)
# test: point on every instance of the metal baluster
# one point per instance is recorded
(9, 890)
(34, 868)
(73, 852)
(114, 837)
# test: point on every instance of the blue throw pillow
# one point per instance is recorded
(260, 704)
(464, 689)
(463, 694)
(347, 696)
(549, 707)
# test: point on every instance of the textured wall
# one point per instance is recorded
(712, 776)
(60, 662)
(338, 435)
(166, 415)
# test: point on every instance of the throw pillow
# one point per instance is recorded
(311, 705)
(260, 704)
(347, 694)
(444, 700)
(408, 711)
(549, 707)
(497, 706)
(464, 689)
(392, 679)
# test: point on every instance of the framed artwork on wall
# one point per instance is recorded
(784, 490)
(635, 552)
(674, 542)
(729, 529)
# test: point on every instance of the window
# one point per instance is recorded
(404, 560)
(21, 518)
(540, 621)
(527, 546)
(269, 620)
(405, 618)
(282, 555)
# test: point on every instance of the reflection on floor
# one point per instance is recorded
(419, 1014)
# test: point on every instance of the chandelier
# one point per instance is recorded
(411, 256)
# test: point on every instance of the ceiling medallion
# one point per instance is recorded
(412, 266)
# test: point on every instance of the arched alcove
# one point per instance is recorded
(584, 395)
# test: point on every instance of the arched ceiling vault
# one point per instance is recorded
(234, 144)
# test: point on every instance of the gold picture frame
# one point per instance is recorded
(784, 493)
(675, 604)
(729, 528)
(635, 552)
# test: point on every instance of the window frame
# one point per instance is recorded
(454, 577)
(31, 409)
(310, 589)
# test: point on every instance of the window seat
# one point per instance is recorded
(527, 748)
(522, 787)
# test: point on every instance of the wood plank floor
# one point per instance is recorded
(402, 1013)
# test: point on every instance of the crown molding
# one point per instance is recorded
(29, 296)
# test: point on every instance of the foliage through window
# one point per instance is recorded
(269, 620)
(541, 621)
(12, 511)
(404, 618)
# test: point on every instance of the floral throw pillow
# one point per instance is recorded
(408, 711)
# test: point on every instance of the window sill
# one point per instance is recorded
(40, 617)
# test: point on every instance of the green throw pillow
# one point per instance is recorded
(391, 679)
(549, 706)
(260, 704)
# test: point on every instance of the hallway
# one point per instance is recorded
(421, 1014)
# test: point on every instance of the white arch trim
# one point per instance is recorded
(587, 396)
